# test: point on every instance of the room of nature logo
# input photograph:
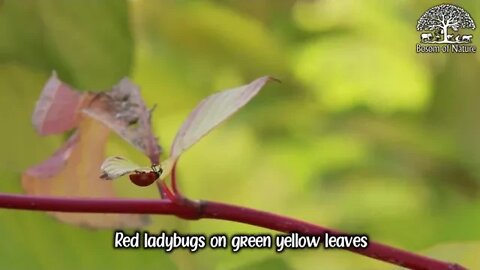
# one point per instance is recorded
(440, 26)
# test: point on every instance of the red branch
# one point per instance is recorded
(213, 210)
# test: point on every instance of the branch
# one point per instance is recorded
(434, 26)
(452, 24)
(64, 204)
(438, 20)
(193, 210)
(443, 19)
(173, 178)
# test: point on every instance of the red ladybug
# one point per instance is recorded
(143, 179)
(114, 167)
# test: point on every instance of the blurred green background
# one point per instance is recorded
(363, 135)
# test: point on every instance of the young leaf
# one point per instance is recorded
(79, 177)
(212, 111)
(114, 167)
(57, 109)
(123, 110)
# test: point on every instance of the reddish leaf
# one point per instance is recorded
(212, 111)
(208, 114)
(79, 177)
(56, 162)
(74, 169)
(57, 109)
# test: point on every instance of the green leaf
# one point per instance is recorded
(464, 253)
(21, 34)
(269, 263)
(208, 114)
(88, 43)
(90, 38)
(21, 145)
(242, 40)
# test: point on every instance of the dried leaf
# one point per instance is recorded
(74, 169)
(212, 111)
(57, 109)
(123, 110)
(79, 177)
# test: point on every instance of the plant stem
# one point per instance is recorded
(173, 178)
(375, 250)
(213, 210)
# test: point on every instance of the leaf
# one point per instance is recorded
(21, 34)
(19, 141)
(90, 40)
(465, 254)
(212, 111)
(79, 177)
(74, 169)
(56, 162)
(201, 38)
(114, 167)
(268, 263)
(57, 109)
(88, 43)
(33, 240)
(123, 110)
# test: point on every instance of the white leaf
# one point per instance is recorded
(212, 111)
(114, 167)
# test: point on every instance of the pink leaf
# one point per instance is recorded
(123, 110)
(56, 162)
(74, 171)
(57, 109)
(212, 111)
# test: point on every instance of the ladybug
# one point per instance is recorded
(143, 179)
(114, 167)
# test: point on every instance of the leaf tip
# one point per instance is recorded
(271, 78)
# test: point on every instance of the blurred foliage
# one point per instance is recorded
(363, 135)
(466, 252)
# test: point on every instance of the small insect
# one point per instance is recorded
(114, 167)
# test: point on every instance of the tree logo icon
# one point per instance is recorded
(438, 20)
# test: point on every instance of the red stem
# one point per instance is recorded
(64, 204)
(374, 250)
(174, 179)
(167, 193)
(205, 209)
